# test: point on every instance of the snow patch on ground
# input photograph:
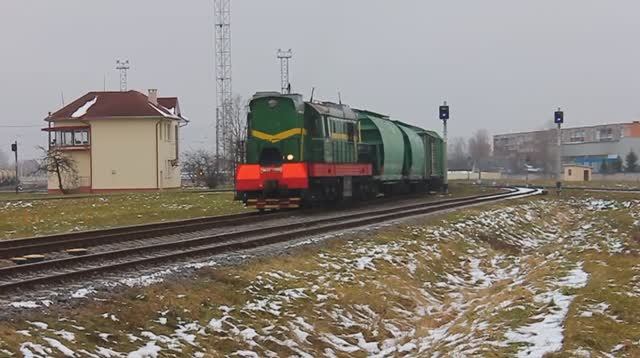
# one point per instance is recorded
(150, 350)
(546, 335)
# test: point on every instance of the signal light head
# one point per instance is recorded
(444, 112)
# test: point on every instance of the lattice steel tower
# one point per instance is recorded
(123, 67)
(284, 57)
(224, 98)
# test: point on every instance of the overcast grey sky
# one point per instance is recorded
(502, 65)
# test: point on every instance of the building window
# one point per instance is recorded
(81, 137)
(606, 134)
(70, 138)
(577, 136)
(569, 172)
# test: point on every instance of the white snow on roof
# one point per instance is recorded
(83, 110)
(163, 113)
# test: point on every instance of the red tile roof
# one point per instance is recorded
(168, 102)
(114, 104)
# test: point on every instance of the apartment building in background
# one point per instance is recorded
(588, 146)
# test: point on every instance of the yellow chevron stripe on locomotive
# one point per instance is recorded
(274, 138)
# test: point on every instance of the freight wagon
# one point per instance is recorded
(301, 152)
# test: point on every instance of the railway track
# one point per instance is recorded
(567, 187)
(87, 239)
(52, 271)
(38, 245)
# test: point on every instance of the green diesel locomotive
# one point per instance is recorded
(301, 152)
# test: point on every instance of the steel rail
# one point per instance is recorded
(85, 239)
(59, 242)
(221, 243)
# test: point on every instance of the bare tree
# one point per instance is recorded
(226, 167)
(480, 148)
(4, 159)
(55, 162)
(238, 129)
(458, 156)
(29, 167)
(544, 149)
(544, 153)
(200, 166)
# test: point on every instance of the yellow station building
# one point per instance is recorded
(119, 141)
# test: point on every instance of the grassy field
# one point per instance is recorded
(35, 215)
(545, 276)
(30, 217)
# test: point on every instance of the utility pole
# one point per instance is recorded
(444, 117)
(224, 94)
(284, 57)
(558, 118)
(14, 149)
(123, 67)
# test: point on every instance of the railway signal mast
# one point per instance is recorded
(444, 117)
(284, 57)
(14, 149)
(558, 118)
(224, 100)
(123, 67)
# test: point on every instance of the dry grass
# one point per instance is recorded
(42, 217)
(390, 289)
(34, 215)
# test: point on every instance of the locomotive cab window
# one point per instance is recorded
(351, 132)
(316, 127)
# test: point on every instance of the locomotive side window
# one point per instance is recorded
(351, 133)
(341, 129)
(332, 125)
(325, 126)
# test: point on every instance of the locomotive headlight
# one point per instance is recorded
(290, 157)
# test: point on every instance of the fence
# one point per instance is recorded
(468, 175)
(632, 177)
(6, 174)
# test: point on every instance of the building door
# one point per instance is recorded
(586, 175)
